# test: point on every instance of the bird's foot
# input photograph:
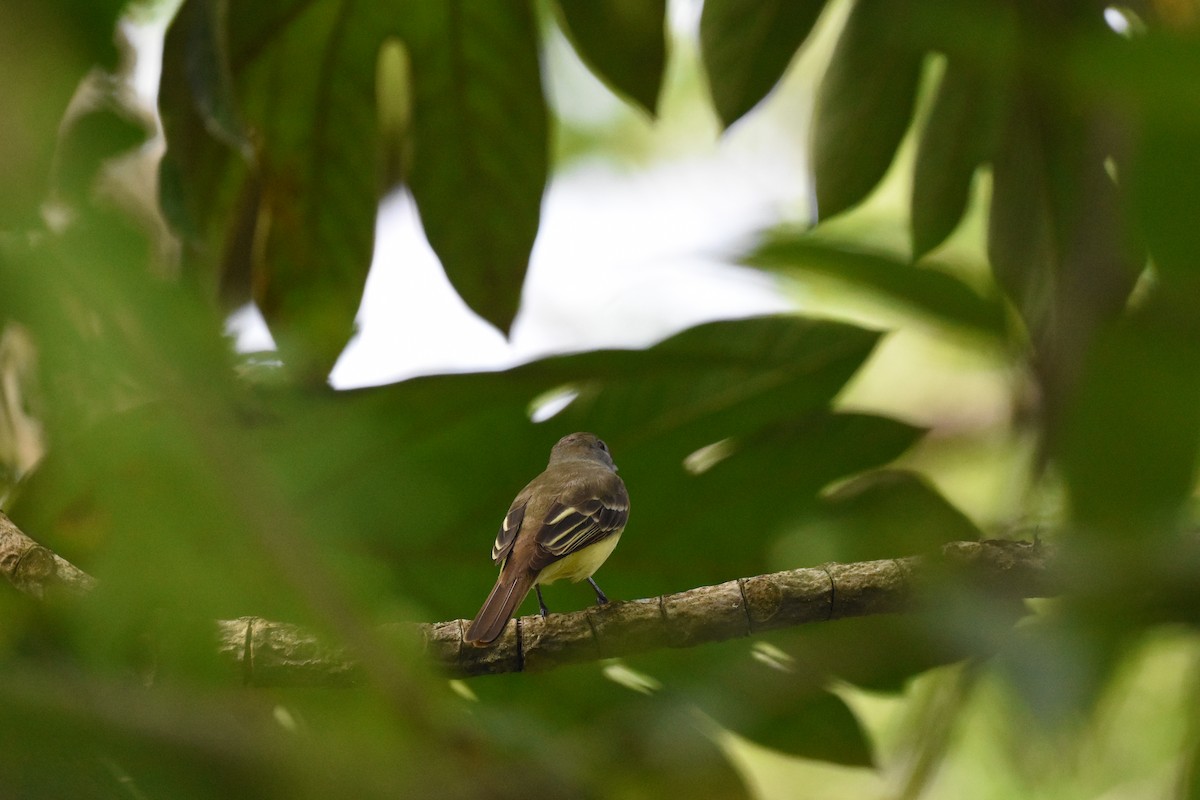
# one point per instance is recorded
(601, 597)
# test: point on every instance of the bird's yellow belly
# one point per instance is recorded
(580, 565)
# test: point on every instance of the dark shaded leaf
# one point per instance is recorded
(319, 181)
(103, 131)
(958, 137)
(1059, 238)
(479, 145)
(623, 43)
(1022, 245)
(747, 45)
(883, 514)
(776, 708)
(46, 49)
(206, 68)
(864, 105)
(823, 729)
(662, 744)
(936, 295)
(1130, 452)
(883, 653)
(298, 213)
(413, 447)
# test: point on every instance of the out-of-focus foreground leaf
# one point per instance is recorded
(934, 295)
(864, 104)
(401, 476)
(746, 47)
(623, 42)
(958, 138)
(46, 48)
(479, 144)
(275, 159)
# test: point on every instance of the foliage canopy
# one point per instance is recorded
(199, 484)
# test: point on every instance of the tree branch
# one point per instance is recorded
(34, 569)
(268, 653)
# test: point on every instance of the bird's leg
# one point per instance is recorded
(601, 598)
(541, 602)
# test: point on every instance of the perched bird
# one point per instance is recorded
(564, 524)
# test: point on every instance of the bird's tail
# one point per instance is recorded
(497, 610)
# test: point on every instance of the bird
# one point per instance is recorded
(563, 524)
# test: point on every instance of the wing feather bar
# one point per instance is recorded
(507, 534)
(569, 528)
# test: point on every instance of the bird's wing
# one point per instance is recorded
(507, 534)
(574, 522)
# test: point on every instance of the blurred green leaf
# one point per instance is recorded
(46, 49)
(1021, 240)
(1131, 444)
(775, 708)
(1059, 237)
(935, 295)
(1162, 172)
(882, 514)
(200, 25)
(958, 137)
(864, 104)
(479, 144)
(747, 45)
(415, 447)
(308, 228)
(296, 217)
(623, 42)
(105, 129)
(662, 744)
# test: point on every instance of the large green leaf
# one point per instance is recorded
(624, 42)
(302, 79)
(929, 292)
(883, 514)
(663, 746)
(864, 104)
(416, 446)
(1059, 239)
(276, 159)
(958, 137)
(402, 487)
(747, 45)
(46, 49)
(479, 144)
(763, 697)
(1022, 246)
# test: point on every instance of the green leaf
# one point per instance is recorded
(1022, 246)
(958, 137)
(435, 467)
(207, 71)
(864, 105)
(933, 294)
(662, 744)
(884, 514)
(105, 130)
(319, 180)
(747, 45)
(622, 41)
(46, 49)
(1130, 450)
(299, 210)
(479, 144)
(765, 694)
(817, 726)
